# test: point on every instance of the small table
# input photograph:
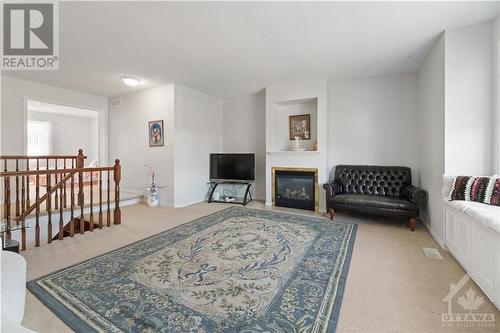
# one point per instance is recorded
(240, 201)
(11, 245)
(153, 195)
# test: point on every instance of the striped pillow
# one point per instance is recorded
(480, 189)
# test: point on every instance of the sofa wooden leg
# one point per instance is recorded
(332, 213)
(412, 222)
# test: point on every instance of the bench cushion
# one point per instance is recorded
(485, 214)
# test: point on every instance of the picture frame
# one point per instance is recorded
(156, 133)
(300, 125)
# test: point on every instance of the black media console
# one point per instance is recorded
(241, 201)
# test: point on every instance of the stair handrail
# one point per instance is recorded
(75, 160)
(17, 164)
(65, 175)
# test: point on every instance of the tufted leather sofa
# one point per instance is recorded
(382, 190)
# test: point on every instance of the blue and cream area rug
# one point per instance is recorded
(237, 270)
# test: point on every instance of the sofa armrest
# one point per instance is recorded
(414, 194)
(333, 187)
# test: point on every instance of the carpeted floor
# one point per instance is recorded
(237, 270)
(391, 287)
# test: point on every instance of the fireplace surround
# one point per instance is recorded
(295, 188)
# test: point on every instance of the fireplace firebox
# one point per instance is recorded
(295, 188)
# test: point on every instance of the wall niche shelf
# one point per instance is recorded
(279, 115)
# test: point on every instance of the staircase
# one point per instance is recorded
(61, 188)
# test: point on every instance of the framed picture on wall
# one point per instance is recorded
(156, 133)
(300, 125)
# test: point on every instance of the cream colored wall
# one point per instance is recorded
(70, 133)
(129, 141)
(469, 100)
(374, 121)
(496, 95)
(244, 131)
(430, 136)
(198, 132)
(13, 100)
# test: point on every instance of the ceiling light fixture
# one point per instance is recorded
(130, 81)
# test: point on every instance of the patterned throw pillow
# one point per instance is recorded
(480, 189)
(494, 192)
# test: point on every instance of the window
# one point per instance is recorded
(39, 137)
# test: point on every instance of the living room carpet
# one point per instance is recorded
(237, 270)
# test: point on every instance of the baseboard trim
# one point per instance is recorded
(434, 235)
(133, 191)
(189, 203)
(130, 202)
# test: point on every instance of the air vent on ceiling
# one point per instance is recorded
(116, 103)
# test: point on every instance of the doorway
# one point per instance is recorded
(54, 129)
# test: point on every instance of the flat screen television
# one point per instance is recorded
(232, 167)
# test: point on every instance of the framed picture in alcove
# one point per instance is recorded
(156, 133)
(300, 125)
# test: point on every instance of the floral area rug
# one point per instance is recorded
(237, 270)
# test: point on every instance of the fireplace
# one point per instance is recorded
(295, 188)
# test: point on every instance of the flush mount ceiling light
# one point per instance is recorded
(130, 81)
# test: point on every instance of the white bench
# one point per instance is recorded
(472, 235)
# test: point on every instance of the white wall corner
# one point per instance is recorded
(437, 237)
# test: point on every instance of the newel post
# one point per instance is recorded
(80, 159)
(79, 165)
(7, 206)
(6, 197)
(117, 177)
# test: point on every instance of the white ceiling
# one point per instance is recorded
(229, 49)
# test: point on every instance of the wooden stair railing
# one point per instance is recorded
(64, 178)
(38, 162)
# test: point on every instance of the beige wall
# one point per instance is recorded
(13, 114)
(430, 137)
(374, 121)
(198, 132)
(244, 131)
(70, 133)
(469, 100)
(129, 141)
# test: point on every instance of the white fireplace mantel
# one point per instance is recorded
(294, 153)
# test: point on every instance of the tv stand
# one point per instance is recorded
(240, 201)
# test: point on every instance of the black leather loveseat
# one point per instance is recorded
(382, 190)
